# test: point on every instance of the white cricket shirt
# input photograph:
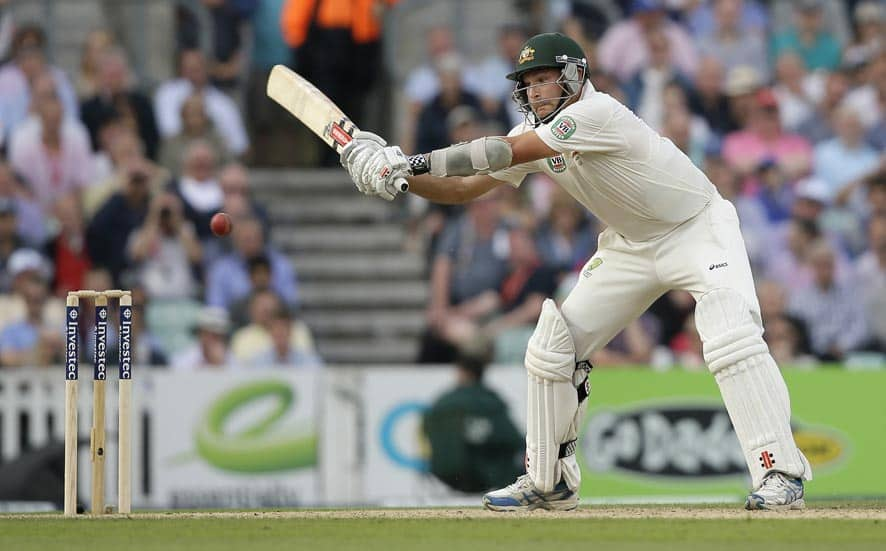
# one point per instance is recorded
(625, 173)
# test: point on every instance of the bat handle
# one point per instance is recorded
(402, 185)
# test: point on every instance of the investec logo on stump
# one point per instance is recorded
(101, 342)
(71, 334)
(126, 342)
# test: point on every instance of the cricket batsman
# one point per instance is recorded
(667, 228)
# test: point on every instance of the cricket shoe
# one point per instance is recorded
(522, 495)
(778, 492)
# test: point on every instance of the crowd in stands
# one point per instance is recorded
(781, 103)
(107, 183)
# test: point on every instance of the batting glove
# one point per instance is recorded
(387, 172)
(356, 155)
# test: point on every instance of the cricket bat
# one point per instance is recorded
(316, 111)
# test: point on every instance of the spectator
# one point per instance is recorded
(624, 51)
(9, 241)
(221, 109)
(211, 348)
(67, 248)
(731, 42)
(259, 341)
(566, 239)
(474, 445)
(835, 18)
(233, 178)
(869, 18)
(166, 250)
(123, 212)
(798, 92)
(701, 17)
(96, 44)
(817, 126)
(686, 346)
(741, 87)
(869, 94)
(494, 91)
(775, 193)
(51, 153)
(646, 88)
(847, 156)
(832, 311)
(196, 126)
(763, 137)
(284, 348)
(115, 97)
(228, 19)
(870, 280)
(785, 333)
(423, 83)
(31, 226)
(18, 76)
(707, 98)
(7, 28)
(146, 348)
(198, 187)
(809, 38)
(259, 268)
(469, 261)
(32, 340)
(228, 277)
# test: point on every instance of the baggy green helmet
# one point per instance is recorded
(549, 50)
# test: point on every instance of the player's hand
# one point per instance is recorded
(355, 158)
(388, 169)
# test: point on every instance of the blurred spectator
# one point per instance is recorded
(52, 153)
(633, 346)
(115, 96)
(775, 193)
(834, 16)
(732, 42)
(677, 126)
(686, 346)
(847, 156)
(798, 92)
(211, 348)
(431, 129)
(702, 17)
(28, 213)
(261, 344)
(228, 19)
(221, 109)
(869, 18)
(166, 250)
(32, 340)
(870, 280)
(423, 83)
(146, 348)
(228, 277)
(471, 258)
(645, 89)
(123, 212)
(832, 311)
(18, 76)
(473, 442)
(624, 50)
(817, 126)
(67, 248)
(707, 98)
(259, 269)
(672, 310)
(495, 90)
(784, 333)
(196, 126)
(9, 241)
(565, 239)
(809, 38)
(238, 201)
(741, 87)
(96, 44)
(198, 186)
(7, 28)
(763, 137)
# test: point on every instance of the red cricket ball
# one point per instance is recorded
(220, 224)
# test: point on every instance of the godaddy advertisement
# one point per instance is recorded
(235, 440)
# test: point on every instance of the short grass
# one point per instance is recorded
(537, 533)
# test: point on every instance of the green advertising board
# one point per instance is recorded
(664, 435)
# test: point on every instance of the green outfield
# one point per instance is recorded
(821, 527)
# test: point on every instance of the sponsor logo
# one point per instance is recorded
(592, 265)
(822, 447)
(126, 343)
(338, 134)
(715, 266)
(695, 441)
(557, 163)
(384, 172)
(767, 459)
(527, 54)
(564, 127)
(101, 343)
(71, 351)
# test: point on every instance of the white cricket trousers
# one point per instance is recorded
(624, 277)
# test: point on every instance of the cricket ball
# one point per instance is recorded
(220, 224)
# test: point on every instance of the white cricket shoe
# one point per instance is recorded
(522, 495)
(778, 492)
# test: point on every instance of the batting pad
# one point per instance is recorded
(751, 385)
(552, 402)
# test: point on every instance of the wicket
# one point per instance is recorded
(97, 434)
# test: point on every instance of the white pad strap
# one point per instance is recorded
(752, 387)
(551, 418)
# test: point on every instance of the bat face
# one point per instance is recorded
(311, 106)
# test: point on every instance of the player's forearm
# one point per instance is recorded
(450, 190)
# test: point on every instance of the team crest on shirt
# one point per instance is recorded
(557, 163)
(564, 127)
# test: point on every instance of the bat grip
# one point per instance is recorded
(402, 185)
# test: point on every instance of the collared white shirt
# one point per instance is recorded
(220, 108)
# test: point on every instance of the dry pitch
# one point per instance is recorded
(842, 526)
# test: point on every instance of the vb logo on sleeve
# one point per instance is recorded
(564, 127)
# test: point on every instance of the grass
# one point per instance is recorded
(260, 533)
